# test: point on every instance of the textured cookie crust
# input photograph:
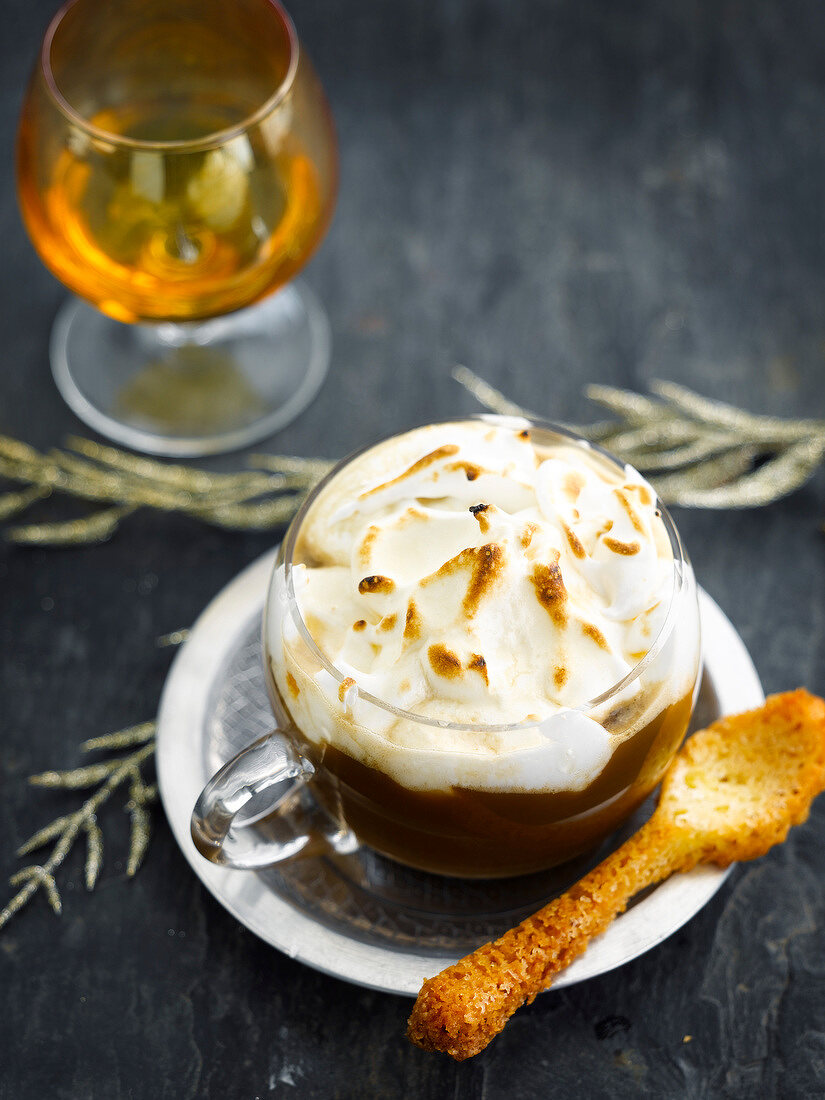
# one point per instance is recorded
(733, 792)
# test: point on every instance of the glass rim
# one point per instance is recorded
(211, 140)
(680, 577)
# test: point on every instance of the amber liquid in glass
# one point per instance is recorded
(163, 234)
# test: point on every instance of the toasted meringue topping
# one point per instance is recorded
(468, 573)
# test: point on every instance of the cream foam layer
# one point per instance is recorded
(467, 575)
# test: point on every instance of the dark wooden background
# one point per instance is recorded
(553, 193)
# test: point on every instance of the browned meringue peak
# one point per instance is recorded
(516, 593)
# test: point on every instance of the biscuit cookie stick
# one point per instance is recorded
(733, 792)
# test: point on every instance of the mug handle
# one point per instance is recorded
(293, 824)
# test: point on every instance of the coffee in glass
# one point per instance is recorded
(482, 647)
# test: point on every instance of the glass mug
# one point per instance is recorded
(333, 795)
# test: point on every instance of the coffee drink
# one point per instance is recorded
(485, 635)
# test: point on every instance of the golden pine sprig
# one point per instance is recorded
(698, 453)
(108, 776)
(262, 497)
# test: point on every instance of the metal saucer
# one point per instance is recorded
(362, 917)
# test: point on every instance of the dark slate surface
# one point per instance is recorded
(554, 193)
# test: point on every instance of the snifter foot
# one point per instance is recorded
(197, 388)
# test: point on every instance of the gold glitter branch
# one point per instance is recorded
(259, 498)
(698, 453)
(110, 774)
